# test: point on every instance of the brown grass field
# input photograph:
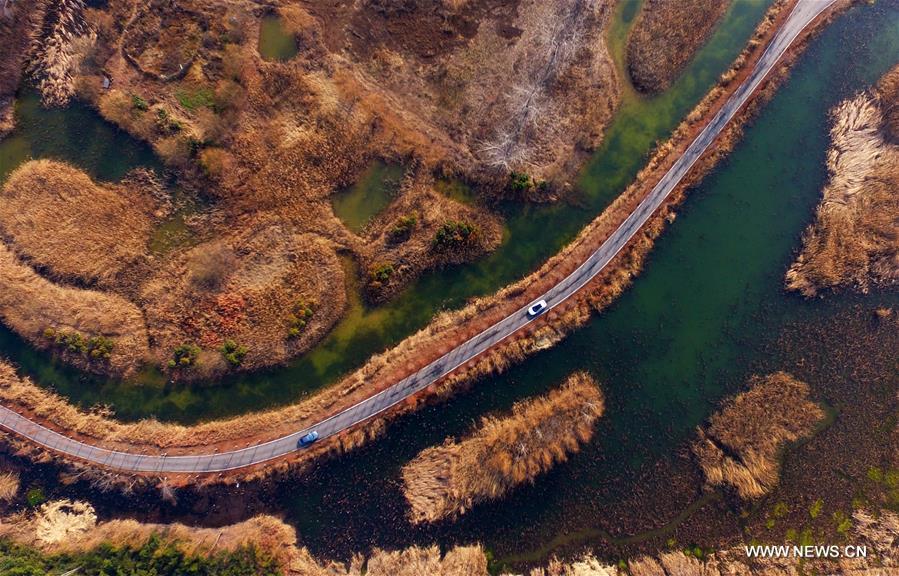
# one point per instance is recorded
(444, 481)
(61, 222)
(741, 445)
(854, 241)
(665, 37)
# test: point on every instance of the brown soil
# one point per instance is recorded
(854, 240)
(741, 445)
(444, 481)
(665, 37)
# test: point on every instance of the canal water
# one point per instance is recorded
(637, 126)
(694, 326)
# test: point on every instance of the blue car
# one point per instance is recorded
(307, 439)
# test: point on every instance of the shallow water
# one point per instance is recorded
(639, 123)
(358, 204)
(275, 42)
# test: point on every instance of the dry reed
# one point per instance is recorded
(854, 240)
(445, 481)
(741, 445)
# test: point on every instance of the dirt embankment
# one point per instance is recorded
(665, 37)
(854, 241)
(445, 481)
(740, 447)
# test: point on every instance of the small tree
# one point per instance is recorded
(233, 352)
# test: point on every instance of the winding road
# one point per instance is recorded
(802, 14)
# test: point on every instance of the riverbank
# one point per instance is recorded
(395, 362)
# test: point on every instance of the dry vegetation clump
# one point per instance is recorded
(67, 527)
(246, 287)
(31, 304)
(741, 444)
(16, 20)
(59, 220)
(445, 481)
(9, 486)
(59, 44)
(665, 37)
(854, 240)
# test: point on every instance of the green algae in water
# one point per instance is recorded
(75, 134)
(275, 41)
(372, 192)
(690, 331)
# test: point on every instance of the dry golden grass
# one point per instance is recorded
(666, 36)
(854, 240)
(57, 218)
(9, 486)
(29, 304)
(61, 39)
(741, 445)
(445, 481)
(888, 93)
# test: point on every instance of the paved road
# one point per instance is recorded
(804, 12)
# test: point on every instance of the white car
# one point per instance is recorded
(536, 308)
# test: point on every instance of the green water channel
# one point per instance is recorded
(275, 41)
(699, 320)
(638, 125)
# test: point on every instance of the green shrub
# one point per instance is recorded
(184, 356)
(154, 556)
(403, 227)
(94, 347)
(454, 235)
(233, 352)
(519, 182)
(299, 316)
(815, 509)
(35, 496)
(381, 272)
(138, 103)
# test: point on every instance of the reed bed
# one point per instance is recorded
(504, 452)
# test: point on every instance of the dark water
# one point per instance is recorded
(638, 124)
(691, 330)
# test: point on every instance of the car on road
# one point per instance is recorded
(307, 439)
(537, 307)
